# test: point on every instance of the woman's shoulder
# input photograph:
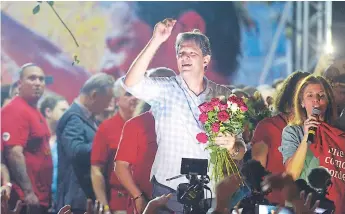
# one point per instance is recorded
(294, 131)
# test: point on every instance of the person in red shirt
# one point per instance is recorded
(136, 152)
(25, 136)
(268, 133)
(106, 186)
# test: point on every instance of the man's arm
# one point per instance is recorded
(238, 151)
(16, 162)
(138, 68)
(124, 174)
(98, 184)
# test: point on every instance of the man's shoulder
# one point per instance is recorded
(17, 108)
(141, 121)
(218, 89)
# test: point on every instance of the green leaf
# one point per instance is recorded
(51, 3)
(36, 9)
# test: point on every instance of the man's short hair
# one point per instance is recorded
(98, 82)
(23, 67)
(335, 74)
(49, 102)
(118, 90)
(160, 72)
(199, 38)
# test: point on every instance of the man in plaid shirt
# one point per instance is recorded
(174, 103)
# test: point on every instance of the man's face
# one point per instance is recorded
(32, 83)
(190, 58)
(101, 100)
(59, 110)
(127, 103)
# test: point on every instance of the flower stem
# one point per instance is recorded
(75, 40)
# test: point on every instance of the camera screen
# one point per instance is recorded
(194, 166)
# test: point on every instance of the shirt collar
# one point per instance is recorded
(184, 85)
(86, 111)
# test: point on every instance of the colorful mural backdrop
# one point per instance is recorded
(111, 34)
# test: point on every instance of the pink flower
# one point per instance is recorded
(244, 108)
(222, 106)
(215, 127)
(215, 101)
(206, 107)
(202, 137)
(223, 116)
(203, 117)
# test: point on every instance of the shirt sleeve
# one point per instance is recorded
(262, 133)
(14, 129)
(129, 143)
(150, 89)
(291, 138)
(99, 146)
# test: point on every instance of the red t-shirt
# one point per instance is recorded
(269, 130)
(138, 147)
(23, 125)
(103, 151)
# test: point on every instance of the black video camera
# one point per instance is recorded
(191, 194)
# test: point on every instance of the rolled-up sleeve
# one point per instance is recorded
(291, 138)
(149, 89)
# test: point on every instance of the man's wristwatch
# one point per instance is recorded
(237, 151)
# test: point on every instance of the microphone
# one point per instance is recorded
(312, 130)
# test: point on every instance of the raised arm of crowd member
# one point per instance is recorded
(285, 183)
(224, 190)
(4, 205)
(313, 92)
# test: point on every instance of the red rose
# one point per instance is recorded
(206, 107)
(244, 108)
(234, 99)
(202, 107)
(202, 137)
(203, 117)
(215, 127)
(222, 106)
(223, 116)
(215, 101)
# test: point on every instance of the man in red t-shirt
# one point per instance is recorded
(267, 139)
(106, 186)
(25, 136)
(137, 150)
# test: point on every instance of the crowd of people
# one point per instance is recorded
(115, 147)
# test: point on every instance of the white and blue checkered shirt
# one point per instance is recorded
(176, 113)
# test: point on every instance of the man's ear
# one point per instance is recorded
(207, 60)
(191, 20)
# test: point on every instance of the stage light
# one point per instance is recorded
(329, 49)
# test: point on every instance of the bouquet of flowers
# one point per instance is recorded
(220, 116)
(257, 110)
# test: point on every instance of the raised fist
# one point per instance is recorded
(163, 29)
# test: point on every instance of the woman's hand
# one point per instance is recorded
(312, 121)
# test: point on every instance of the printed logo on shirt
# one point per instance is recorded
(6, 136)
